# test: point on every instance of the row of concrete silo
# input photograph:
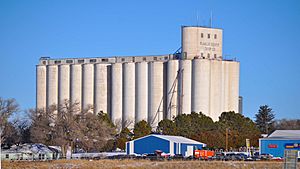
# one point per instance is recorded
(135, 91)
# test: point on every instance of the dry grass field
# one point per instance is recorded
(143, 164)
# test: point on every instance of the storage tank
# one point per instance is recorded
(128, 95)
(76, 84)
(155, 106)
(116, 94)
(234, 71)
(215, 89)
(41, 72)
(52, 88)
(201, 86)
(87, 86)
(225, 86)
(63, 83)
(185, 86)
(141, 91)
(172, 88)
(101, 88)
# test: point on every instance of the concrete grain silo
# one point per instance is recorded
(63, 83)
(185, 87)
(141, 91)
(116, 93)
(155, 106)
(87, 86)
(128, 95)
(52, 85)
(76, 84)
(41, 74)
(101, 92)
(151, 88)
(201, 86)
(215, 89)
(172, 88)
(234, 73)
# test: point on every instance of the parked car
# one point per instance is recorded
(266, 156)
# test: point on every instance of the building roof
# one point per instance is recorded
(289, 134)
(176, 139)
(29, 148)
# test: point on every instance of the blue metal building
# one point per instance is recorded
(165, 143)
(280, 140)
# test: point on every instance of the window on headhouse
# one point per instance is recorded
(215, 36)
(144, 58)
(155, 58)
(6, 155)
(123, 59)
(69, 61)
(104, 60)
(81, 61)
(208, 36)
(201, 35)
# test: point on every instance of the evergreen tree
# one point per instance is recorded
(264, 119)
(123, 137)
(167, 127)
(141, 129)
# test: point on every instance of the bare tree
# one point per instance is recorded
(71, 126)
(7, 108)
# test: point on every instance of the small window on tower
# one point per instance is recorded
(144, 58)
(93, 60)
(215, 36)
(215, 55)
(208, 36)
(57, 62)
(201, 35)
(69, 61)
(208, 56)
(202, 55)
(155, 58)
(123, 59)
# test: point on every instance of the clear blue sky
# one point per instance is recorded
(263, 35)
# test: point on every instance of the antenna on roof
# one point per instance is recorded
(211, 19)
(197, 19)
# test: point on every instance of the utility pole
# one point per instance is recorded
(226, 142)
